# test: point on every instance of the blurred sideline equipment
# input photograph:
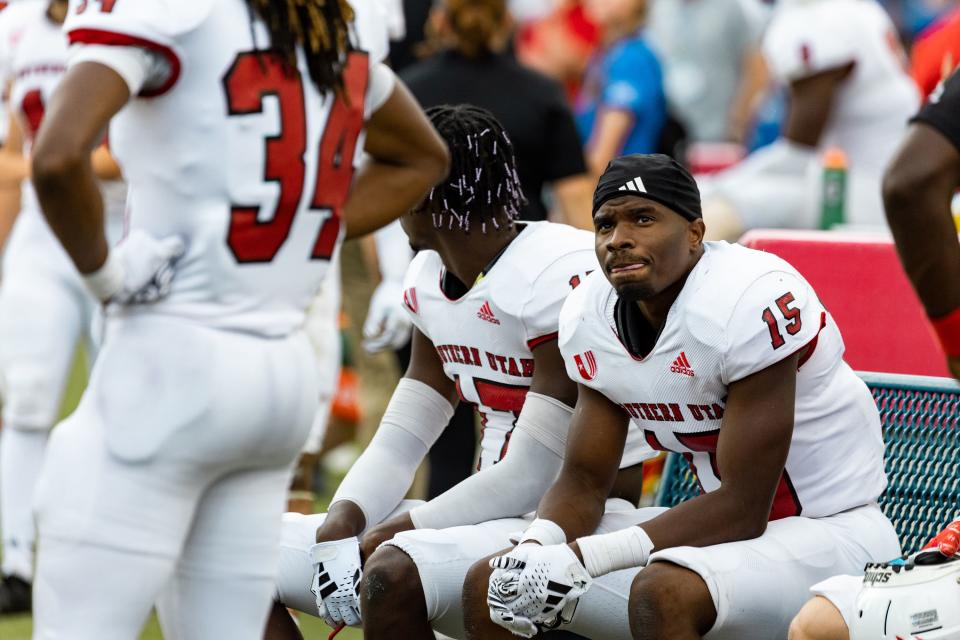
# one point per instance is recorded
(857, 273)
(849, 89)
(834, 189)
(904, 598)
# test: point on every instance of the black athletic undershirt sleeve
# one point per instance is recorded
(942, 112)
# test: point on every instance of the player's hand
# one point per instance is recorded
(141, 269)
(534, 587)
(387, 325)
(947, 541)
(383, 532)
(336, 581)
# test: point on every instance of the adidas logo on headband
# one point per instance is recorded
(634, 185)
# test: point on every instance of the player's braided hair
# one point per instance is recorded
(483, 180)
(322, 28)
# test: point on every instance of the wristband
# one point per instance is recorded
(947, 329)
(106, 281)
(546, 532)
(630, 547)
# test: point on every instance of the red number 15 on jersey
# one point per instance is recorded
(253, 76)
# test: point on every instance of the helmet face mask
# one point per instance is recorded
(905, 599)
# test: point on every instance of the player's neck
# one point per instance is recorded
(656, 308)
(483, 248)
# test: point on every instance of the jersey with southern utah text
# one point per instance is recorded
(36, 62)
(485, 338)
(223, 146)
(739, 312)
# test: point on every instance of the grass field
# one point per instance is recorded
(378, 376)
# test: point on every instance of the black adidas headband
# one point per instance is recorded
(656, 177)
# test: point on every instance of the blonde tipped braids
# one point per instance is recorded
(322, 28)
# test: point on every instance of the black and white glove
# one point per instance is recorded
(387, 325)
(535, 587)
(336, 581)
(139, 270)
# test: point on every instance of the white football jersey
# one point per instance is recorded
(485, 338)
(248, 163)
(36, 63)
(13, 18)
(870, 112)
(739, 312)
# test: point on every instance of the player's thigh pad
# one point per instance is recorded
(170, 409)
(759, 585)
(842, 592)
(42, 316)
(298, 533)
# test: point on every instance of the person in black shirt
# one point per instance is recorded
(473, 69)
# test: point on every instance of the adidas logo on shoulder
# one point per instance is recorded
(681, 365)
(486, 313)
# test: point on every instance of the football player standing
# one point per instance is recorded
(237, 124)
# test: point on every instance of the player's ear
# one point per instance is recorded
(695, 231)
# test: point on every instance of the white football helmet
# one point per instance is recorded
(910, 599)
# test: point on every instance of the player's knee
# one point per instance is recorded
(668, 601)
(475, 595)
(390, 578)
(818, 620)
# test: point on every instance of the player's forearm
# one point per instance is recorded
(385, 191)
(510, 488)
(574, 504)
(344, 520)
(381, 477)
(72, 204)
(713, 518)
(412, 422)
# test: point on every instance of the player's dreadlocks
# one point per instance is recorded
(321, 27)
(483, 181)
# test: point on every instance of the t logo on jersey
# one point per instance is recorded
(586, 364)
(410, 300)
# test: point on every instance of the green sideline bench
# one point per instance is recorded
(921, 428)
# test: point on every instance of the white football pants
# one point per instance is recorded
(169, 480)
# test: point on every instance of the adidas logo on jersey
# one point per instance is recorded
(634, 185)
(682, 365)
(486, 313)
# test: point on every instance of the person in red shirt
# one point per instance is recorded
(936, 52)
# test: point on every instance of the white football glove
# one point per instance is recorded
(387, 326)
(535, 587)
(139, 270)
(336, 581)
